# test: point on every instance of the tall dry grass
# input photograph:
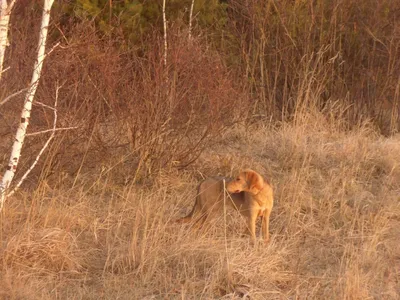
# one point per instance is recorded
(335, 225)
(96, 218)
(347, 51)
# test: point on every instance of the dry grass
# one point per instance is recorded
(100, 222)
(335, 226)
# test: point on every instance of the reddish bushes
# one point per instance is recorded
(167, 114)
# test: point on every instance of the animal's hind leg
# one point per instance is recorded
(251, 226)
(200, 220)
(265, 225)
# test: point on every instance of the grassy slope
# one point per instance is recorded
(335, 226)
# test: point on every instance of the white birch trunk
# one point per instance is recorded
(26, 111)
(190, 19)
(4, 21)
(165, 34)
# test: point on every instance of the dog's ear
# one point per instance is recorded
(254, 181)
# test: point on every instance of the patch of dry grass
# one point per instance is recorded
(335, 226)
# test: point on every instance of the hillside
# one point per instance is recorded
(304, 92)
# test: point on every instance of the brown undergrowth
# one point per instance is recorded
(335, 226)
(295, 90)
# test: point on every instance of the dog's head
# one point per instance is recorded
(247, 181)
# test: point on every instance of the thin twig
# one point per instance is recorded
(50, 130)
(52, 49)
(11, 5)
(6, 69)
(41, 151)
(44, 105)
(12, 96)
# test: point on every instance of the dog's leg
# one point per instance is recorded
(199, 223)
(252, 224)
(265, 225)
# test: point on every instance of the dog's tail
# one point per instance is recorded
(189, 217)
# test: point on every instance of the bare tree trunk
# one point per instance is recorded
(165, 34)
(5, 12)
(191, 19)
(26, 111)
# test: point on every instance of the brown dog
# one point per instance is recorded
(258, 200)
(249, 194)
(210, 200)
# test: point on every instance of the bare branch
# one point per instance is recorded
(11, 5)
(29, 99)
(12, 96)
(52, 48)
(53, 130)
(44, 105)
(6, 69)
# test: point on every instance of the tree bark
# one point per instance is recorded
(165, 34)
(5, 12)
(26, 111)
(190, 19)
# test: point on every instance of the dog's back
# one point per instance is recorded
(210, 199)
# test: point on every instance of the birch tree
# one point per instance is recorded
(190, 20)
(26, 111)
(5, 13)
(165, 34)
